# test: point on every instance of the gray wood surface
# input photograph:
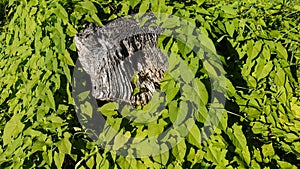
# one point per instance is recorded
(113, 54)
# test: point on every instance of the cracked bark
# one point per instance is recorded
(113, 54)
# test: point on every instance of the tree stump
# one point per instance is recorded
(122, 60)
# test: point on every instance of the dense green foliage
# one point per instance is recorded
(258, 42)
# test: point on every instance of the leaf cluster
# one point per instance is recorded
(257, 41)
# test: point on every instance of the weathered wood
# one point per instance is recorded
(111, 55)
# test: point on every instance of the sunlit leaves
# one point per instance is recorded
(239, 140)
(64, 145)
(109, 109)
(66, 58)
(194, 137)
(37, 52)
(228, 9)
(266, 69)
(144, 6)
(156, 128)
(58, 159)
(254, 50)
(120, 139)
(163, 157)
(230, 28)
(281, 51)
(267, 151)
(12, 129)
(284, 164)
(61, 13)
(216, 155)
(127, 162)
(171, 88)
(179, 151)
(260, 46)
(89, 8)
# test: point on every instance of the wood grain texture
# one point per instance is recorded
(111, 55)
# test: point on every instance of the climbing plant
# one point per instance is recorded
(257, 42)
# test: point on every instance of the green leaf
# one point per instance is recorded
(183, 111)
(66, 58)
(70, 98)
(145, 148)
(191, 156)
(55, 119)
(186, 74)
(266, 53)
(45, 43)
(71, 31)
(109, 109)
(48, 156)
(38, 146)
(83, 95)
(173, 111)
(121, 139)
(31, 26)
(58, 38)
(133, 3)
(163, 157)
(281, 94)
(194, 136)
(101, 162)
(136, 91)
(127, 162)
(194, 65)
(170, 23)
(61, 13)
(207, 43)
(148, 162)
(280, 77)
(210, 69)
(12, 129)
(281, 51)
(50, 98)
(229, 10)
(284, 164)
(64, 145)
(88, 5)
(255, 50)
(155, 129)
(58, 159)
(259, 128)
(257, 155)
(200, 88)
(200, 2)
(296, 146)
(239, 140)
(296, 110)
(87, 109)
(110, 131)
(171, 89)
(215, 154)
(267, 150)
(230, 28)
(32, 133)
(144, 7)
(90, 162)
(290, 137)
(297, 7)
(95, 18)
(265, 71)
(179, 151)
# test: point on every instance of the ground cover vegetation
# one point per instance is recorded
(257, 41)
